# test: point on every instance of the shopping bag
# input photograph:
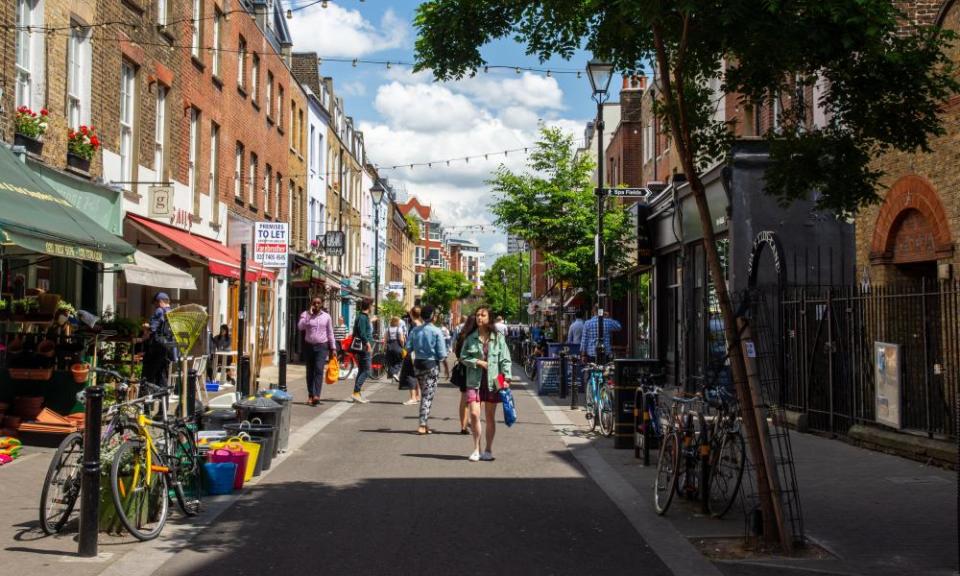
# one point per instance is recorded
(333, 371)
(458, 375)
(509, 407)
(241, 442)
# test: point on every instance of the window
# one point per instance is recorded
(160, 132)
(128, 77)
(267, 183)
(238, 173)
(293, 115)
(29, 52)
(423, 230)
(418, 280)
(213, 186)
(215, 59)
(434, 232)
(278, 194)
(280, 106)
(197, 27)
(434, 256)
(255, 78)
(419, 256)
(300, 131)
(313, 131)
(162, 11)
(242, 63)
(290, 209)
(78, 76)
(252, 181)
(269, 102)
(777, 113)
(648, 141)
(192, 158)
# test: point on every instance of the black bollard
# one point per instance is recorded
(192, 412)
(90, 482)
(245, 375)
(563, 372)
(573, 390)
(282, 372)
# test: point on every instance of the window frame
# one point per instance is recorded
(193, 154)
(238, 171)
(217, 38)
(128, 121)
(242, 64)
(255, 78)
(160, 131)
(268, 101)
(213, 182)
(267, 182)
(252, 180)
(196, 34)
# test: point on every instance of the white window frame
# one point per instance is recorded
(278, 195)
(213, 187)
(242, 64)
(267, 182)
(192, 155)
(197, 28)
(280, 106)
(78, 76)
(255, 77)
(238, 172)
(419, 256)
(313, 132)
(160, 132)
(252, 180)
(162, 12)
(268, 104)
(215, 57)
(29, 52)
(128, 84)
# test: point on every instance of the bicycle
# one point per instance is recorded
(61, 485)
(599, 394)
(727, 459)
(144, 468)
(649, 418)
(349, 365)
(685, 446)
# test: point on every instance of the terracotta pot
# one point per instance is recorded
(80, 372)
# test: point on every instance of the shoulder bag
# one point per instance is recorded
(356, 345)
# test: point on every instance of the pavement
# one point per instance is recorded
(359, 492)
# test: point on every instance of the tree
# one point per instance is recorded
(505, 299)
(551, 208)
(413, 227)
(442, 287)
(883, 88)
(391, 306)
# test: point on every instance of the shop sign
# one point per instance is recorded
(160, 200)
(887, 378)
(333, 243)
(182, 219)
(270, 242)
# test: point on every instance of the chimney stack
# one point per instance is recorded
(634, 82)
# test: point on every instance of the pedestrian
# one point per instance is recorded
(500, 326)
(339, 333)
(320, 345)
(575, 332)
(161, 348)
(428, 349)
(588, 341)
(362, 330)
(465, 330)
(395, 341)
(487, 357)
(408, 379)
(447, 340)
(222, 342)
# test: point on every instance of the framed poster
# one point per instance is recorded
(887, 368)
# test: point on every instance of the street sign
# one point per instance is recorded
(160, 201)
(270, 241)
(333, 242)
(628, 192)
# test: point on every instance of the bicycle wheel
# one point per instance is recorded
(663, 488)
(530, 368)
(726, 473)
(348, 365)
(605, 412)
(188, 473)
(141, 499)
(61, 487)
(378, 365)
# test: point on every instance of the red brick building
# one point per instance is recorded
(430, 252)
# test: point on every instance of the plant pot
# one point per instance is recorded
(78, 162)
(80, 372)
(32, 145)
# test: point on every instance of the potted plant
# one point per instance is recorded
(30, 128)
(82, 144)
(4, 313)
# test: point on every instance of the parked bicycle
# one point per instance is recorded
(685, 446)
(599, 391)
(728, 455)
(650, 419)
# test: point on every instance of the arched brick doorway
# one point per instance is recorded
(911, 233)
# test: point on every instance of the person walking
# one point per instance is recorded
(395, 341)
(339, 333)
(487, 357)
(426, 345)
(161, 347)
(320, 345)
(447, 340)
(408, 380)
(575, 332)
(588, 341)
(464, 330)
(362, 330)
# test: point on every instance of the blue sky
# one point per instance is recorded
(409, 118)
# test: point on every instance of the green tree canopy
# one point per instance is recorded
(413, 227)
(551, 206)
(442, 287)
(391, 306)
(504, 299)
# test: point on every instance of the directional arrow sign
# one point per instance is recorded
(629, 192)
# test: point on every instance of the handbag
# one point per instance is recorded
(407, 378)
(332, 373)
(458, 375)
(509, 406)
(356, 344)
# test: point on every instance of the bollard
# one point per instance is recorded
(90, 483)
(563, 372)
(191, 395)
(244, 375)
(282, 376)
(573, 391)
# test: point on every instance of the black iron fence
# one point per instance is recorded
(836, 342)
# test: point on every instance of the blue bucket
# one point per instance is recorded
(220, 477)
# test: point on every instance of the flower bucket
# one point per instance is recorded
(238, 457)
(220, 477)
(80, 372)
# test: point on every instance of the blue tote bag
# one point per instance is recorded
(509, 406)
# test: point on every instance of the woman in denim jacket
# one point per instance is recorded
(487, 356)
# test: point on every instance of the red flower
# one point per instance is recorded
(83, 130)
(95, 142)
(43, 112)
(34, 114)
(71, 134)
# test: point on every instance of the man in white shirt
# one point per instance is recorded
(501, 326)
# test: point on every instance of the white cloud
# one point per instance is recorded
(355, 88)
(425, 107)
(340, 32)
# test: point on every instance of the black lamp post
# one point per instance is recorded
(377, 193)
(600, 73)
(503, 281)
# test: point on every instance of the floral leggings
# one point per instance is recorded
(428, 387)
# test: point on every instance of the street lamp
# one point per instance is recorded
(600, 73)
(376, 192)
(503, 281)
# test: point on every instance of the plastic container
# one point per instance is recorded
(216, 419)
(266, 410)
(241, 443)
(284, 399)
(267, 433)
(220, 477)
(238, 457)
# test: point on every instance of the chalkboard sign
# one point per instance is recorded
(548, 376)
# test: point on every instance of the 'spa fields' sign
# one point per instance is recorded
(270, 241)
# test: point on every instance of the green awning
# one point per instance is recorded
(103, 205)
(36, 217)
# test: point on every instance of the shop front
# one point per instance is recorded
(307, 280)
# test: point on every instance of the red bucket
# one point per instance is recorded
(237, 457)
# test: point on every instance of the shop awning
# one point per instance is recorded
(148, 271)
(221, 260)
(36, 217)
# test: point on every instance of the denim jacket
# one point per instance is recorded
(426, 343)
(498, 359)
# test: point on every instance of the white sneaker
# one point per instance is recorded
(475, 457)
(357, 397)
(487, 457)
(410, 402)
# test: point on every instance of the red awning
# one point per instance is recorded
(221, 260)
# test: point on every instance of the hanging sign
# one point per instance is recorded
(270, 242)
(160, 201)
(334, 243)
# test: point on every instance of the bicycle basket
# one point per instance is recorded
(187, 323)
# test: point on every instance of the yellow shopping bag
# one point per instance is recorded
(333, 371)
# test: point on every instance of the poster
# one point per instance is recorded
(270, 244)
(887, 378)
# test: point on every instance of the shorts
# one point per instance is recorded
(482, 394)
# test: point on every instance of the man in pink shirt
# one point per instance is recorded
(319, 345)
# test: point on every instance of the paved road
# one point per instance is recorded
(368, 496)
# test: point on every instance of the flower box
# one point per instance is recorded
(32, 145)
(78, 162)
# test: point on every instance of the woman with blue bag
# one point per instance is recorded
(486, 355)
